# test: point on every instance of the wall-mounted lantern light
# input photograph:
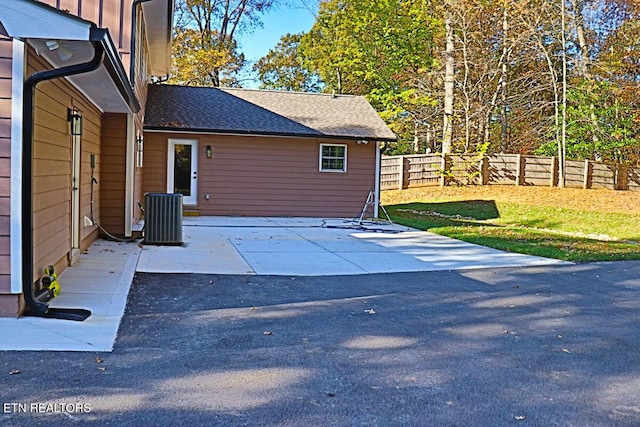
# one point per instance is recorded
(75, 120)
(209, 152)
(139, 150)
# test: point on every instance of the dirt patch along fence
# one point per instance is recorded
(400, 172)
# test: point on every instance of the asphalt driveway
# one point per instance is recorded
(540, 346)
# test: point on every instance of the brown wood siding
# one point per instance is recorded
(9, 305)
(258, 176)
(6, 55)
(113, 181)
(52, 182)
(155, 163)
(115, 15)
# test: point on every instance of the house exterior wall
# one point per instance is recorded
(8, 303)
(119, 159)
(141, 85)
(267, 176)
(116, 16)
(52, 168)
(112, 183)
(104, 135)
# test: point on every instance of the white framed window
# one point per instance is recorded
(333, 157)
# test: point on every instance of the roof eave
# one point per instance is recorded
(158, 18)
(30, 19)
(271, 134)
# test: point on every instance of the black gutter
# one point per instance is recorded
(33, 306)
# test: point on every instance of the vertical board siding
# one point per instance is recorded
(115, 15)
(257, 176)
(6, 55)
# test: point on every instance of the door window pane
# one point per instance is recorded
(182, 169)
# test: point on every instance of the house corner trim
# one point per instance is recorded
(129, 176)
(17, 81)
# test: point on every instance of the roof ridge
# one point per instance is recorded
(291, 92)
(244, 89)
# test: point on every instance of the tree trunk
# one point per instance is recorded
(505, 52)
(562, 148)
(585, 65)
(447, 130)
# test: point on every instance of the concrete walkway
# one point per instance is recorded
(101, 279)
(317, 247)
(99, 282)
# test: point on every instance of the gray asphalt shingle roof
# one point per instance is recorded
(244, 111)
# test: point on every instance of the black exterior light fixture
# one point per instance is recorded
(139, 150)
(75, 119)
(209, 152)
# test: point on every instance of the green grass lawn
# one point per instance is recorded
(561, 232)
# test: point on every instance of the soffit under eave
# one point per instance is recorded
(158, 21)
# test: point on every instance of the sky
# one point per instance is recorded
(276, 23)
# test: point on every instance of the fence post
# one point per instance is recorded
(587, 175)
(622, 177)
(443, 175)
(401, 172)
(554, 172)
(519, 169)
(484, 171)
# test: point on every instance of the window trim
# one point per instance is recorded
(321, 157)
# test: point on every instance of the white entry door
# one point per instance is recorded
(182, 172)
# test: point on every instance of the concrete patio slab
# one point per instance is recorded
(317, 247)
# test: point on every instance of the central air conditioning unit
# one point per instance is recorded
(163, 219)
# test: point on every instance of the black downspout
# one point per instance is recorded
(33, 306)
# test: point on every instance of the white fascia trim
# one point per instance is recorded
(17, 81)
(31, 19)
(377, 180)
(130, 172)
